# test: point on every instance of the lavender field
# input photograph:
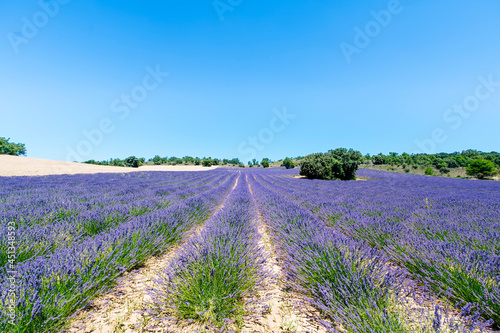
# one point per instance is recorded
(391, 253)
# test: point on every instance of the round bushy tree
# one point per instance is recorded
(288, 163)
(207, 162)
(345, 163)
(317, 166)
(481, 168)
(265, 163)
(429, 171)
(131, 161)
(336, 164)
(379, 159)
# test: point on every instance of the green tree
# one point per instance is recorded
(116, 162)
(336, 164)
(265, 162)
(235, 161)
(132, 161)
(471, 153)
(345, 163)
(288, 163)
(11, 148)
(429, 171)
(444, 170)
(207, 162)
(379, 159)
(188, 160)
(317, 166)
(157, 160)
(481, 168)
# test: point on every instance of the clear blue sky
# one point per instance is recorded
(65, 70)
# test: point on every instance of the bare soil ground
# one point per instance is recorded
(28, 166)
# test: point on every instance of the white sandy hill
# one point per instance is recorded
(27, 166)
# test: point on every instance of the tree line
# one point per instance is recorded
(342, 163)
(477, 163)
(339, 163)
(133, 161)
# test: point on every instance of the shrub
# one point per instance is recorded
(336, 164)
(317, 166)
(407, 170)
(265, 163)
(452, 163)
(235, 161)
(481, 168)
(345, 163)
(131, 161)
(207, 162)
(444, 170)
(429, 171)
(288, 163)
(157, 160)
(461, 160)
(11, 148)
(379, 159)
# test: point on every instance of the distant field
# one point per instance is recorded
(249, 250)
(27, 166)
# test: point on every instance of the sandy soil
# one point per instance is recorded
(27, 166)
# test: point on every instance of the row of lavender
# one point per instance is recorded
(43, 200)
(45, 290)
(216, 270)
(445, 232)
(348, 281)
(91, 217)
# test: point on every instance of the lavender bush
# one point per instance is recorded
(51, 288)
(216, 270)
(444, 231)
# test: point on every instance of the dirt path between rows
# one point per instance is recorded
(122, 309)
(280, 313)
